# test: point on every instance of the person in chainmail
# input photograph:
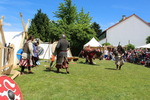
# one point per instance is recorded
(61, 49)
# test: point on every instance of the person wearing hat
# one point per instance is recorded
(61, 49)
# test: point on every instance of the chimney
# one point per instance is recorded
(123, 17)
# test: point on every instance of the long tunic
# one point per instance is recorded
(61, 49)
(27, 54)
(119, 59)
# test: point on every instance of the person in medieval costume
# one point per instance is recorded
(36, 53)
(61, 49)
(119, 53)
(26, 60)
(90, 53)
(86, 51)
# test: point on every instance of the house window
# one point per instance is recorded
(103, 35)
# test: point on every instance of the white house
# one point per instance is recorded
(130, 29)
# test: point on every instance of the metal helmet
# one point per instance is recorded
(63, 36)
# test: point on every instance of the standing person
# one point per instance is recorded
(119, 53)
(61, 49)
(106, 53)
(86, 51)
(26, 60)
(36, 55)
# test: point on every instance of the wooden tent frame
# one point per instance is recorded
(25, 28)
(1, 30)
(6, 53)
(3, 39)
(8, 68)
(24, 35)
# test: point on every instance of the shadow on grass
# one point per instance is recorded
(111, 68)
(147, 66)
(81, 62)
(26, 72)
(48, 70)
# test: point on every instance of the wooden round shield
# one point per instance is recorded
(9, 90)
(19, 53)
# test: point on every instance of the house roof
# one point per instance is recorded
(148, 24)
(126, 19)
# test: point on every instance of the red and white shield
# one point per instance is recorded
(9, 90)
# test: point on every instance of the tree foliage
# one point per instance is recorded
(148, 39)
(106, 44)
(75, 25)
(40, 26)
(66, 12)
(83, 18)
(97, 29)
(55, 31)
(130, 47)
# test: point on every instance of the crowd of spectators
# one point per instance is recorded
(139, 56)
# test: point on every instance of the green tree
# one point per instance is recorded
(106, 44)
(76, 26)
(130, 46)
(33, 30)
(148, 39)
(83, 18)
(55, 31)
(81, 32)
(66, 12)
(40, 26)
(80, 36)
(97, 29)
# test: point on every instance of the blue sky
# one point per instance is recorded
(104, 12)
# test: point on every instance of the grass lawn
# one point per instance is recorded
(87, 82)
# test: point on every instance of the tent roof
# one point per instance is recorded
(145, 46)
(93, 43)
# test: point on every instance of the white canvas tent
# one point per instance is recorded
(48, 49)
(14, 38)
(145, 46)
(93, 43)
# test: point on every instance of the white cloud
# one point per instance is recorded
(7, 24)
